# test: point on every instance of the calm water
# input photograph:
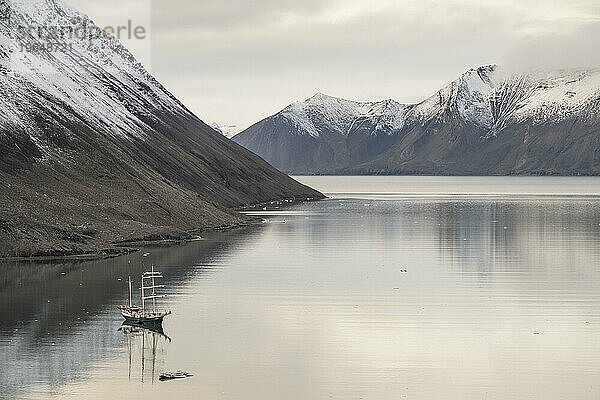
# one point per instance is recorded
(417, 288)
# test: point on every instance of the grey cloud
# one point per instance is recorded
(236, 61)
(579, 49)
(221, 15)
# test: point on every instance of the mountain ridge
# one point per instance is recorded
(490, 106)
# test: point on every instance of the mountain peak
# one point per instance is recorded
(485, 68)
(319, 95)
(322, 97)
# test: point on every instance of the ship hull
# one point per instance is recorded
(134, 315)
(144, 320)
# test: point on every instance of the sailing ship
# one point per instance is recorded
(143, 315)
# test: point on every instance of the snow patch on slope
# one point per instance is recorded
(561, 94)
(492, 97)
(98, 80)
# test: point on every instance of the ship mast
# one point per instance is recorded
(143, 297)
(153, 292)
(152, 275)
(130, 301)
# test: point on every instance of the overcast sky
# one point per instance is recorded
(237, 61)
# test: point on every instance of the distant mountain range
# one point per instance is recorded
(490, 121)
(225, 130)
(96, 153)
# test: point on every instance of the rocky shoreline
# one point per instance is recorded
(119, 248)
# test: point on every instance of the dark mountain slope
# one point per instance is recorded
(94, 151)
(570, 147)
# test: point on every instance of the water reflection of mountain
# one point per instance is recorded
(57, 318)
(478, 239)
(472, 233)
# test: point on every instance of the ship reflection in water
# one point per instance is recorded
(151, 341)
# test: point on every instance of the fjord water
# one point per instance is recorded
(394, 287)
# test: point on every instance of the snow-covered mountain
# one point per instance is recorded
(534, 122)
(95, 151)
(492, 98)
(225, 130)
(96, 78)
(322, 113)
(313, 135)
